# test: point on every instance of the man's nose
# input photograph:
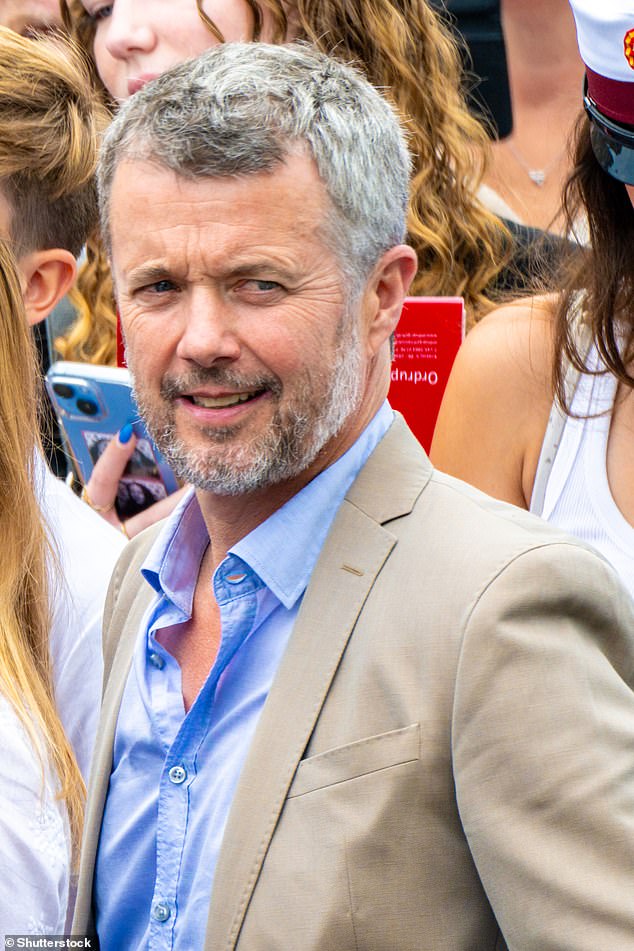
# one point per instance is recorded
(209, 331)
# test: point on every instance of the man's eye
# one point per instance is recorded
(162, 287)
(260, 286)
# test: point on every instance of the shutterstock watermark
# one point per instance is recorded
(13, 941)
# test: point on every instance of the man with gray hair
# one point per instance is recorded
(350, 702)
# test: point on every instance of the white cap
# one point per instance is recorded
(605, 34)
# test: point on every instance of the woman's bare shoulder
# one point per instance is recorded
(498, 398)
(507, 354)
(519, 333)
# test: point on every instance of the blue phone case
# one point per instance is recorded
(92, 404)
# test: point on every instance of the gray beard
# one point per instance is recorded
(290, 444)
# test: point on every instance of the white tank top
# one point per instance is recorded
(578, 497)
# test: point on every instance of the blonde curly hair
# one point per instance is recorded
(407, 51)
(92, 338)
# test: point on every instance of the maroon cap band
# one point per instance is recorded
(614, 97)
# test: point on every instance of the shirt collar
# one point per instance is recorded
(172, 564)
(282, 550)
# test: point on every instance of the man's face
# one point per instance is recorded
(29, 17)
(250, 364)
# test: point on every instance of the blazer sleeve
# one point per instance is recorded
(543, 748)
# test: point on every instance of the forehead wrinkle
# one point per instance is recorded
(220, 255)
(202, 235)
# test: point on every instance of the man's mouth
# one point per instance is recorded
(221, 402)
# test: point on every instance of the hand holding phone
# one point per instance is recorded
(102, 488)
(93, 404)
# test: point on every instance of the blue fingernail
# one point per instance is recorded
(125, 433)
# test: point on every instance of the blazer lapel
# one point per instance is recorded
(352, 558)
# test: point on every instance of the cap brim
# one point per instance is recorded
(612, 144)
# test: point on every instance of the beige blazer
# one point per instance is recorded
(445, 761)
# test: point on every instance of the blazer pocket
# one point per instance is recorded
(356, 759)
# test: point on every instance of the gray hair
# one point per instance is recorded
(241, 108)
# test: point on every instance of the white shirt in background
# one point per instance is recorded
(34, 830)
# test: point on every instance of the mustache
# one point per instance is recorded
(175, 386)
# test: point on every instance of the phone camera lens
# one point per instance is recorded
(63, 390)
(87, 407)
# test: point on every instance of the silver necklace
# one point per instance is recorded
(537, 176)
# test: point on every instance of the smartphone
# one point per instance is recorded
(92, 403)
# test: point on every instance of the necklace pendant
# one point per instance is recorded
(537, 176)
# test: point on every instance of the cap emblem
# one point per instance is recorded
(628, 47)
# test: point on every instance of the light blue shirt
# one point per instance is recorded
(174, 774)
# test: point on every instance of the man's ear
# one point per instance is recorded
(47, 276)
(385, 293)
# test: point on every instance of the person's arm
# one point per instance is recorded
(495, 408)
(543, 750)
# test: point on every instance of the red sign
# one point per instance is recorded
(427, 339)
(120, 347)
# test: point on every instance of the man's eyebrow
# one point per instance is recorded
(150, 273)
(266, 269)
(147, 274)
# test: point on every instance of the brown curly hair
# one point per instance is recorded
(407, 50)
(92, 338)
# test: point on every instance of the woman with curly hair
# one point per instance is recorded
(403, 47)
(539, 408)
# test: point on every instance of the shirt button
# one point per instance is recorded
(177, 775)
(236, 577)
(157, 661)
(161, 911)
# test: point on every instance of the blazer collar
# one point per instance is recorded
(353, 555)
(394, 475)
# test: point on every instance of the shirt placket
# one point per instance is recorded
(235, 589)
